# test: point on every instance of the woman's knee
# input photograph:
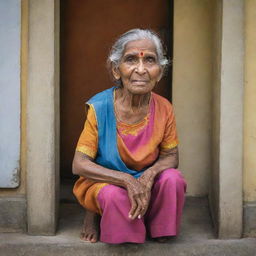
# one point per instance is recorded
(172, 176)
(114, 195)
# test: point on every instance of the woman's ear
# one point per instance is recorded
(115, 72)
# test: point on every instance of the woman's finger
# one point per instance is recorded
(146, 200)
(138, 210)
(133, 206)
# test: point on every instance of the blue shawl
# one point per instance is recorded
(108, 154)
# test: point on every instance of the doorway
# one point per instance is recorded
(42, 120)
(88, 29)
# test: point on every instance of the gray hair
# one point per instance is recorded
(117, 49)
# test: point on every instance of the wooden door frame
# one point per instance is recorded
(43, 118)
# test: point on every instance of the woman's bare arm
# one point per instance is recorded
(84, 166)
(169, 158)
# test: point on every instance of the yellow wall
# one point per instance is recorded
(192, 82)
(21, 190)
(250, 102)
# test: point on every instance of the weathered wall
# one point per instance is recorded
(43, 117)
(228, 108)
(192, 73)
(216, 75)
(250, 120)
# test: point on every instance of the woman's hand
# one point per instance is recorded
(139, 197)
(137, 191)
(168, 159)
(147, 180)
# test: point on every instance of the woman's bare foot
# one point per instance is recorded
(90, 231)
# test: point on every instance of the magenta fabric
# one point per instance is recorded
(136, 141)
(162, 218)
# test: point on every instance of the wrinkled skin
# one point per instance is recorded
(139, 72)
(90, 231)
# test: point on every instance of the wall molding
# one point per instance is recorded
(249, 219)
(13, 214)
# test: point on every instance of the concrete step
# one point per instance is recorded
(196, 238)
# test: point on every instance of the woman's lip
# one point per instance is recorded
(139, 81)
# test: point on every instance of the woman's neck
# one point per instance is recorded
(135, 102)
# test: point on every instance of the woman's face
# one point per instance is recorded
(139, 68)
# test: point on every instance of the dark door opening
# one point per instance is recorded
(88, 29)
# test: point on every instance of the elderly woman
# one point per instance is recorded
(127, 154)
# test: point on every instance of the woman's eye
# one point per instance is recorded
(130, 59)
(150, 59)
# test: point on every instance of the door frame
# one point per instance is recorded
(42, 183)
(43, 126)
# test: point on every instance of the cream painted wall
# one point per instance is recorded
(42, 170)
(192, 79)
(250, 102)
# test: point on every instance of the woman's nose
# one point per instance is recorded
(141, 67)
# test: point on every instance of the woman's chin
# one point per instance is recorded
(140, 89)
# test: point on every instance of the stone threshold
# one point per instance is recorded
(196, 238)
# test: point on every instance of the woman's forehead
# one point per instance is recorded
(143, 45)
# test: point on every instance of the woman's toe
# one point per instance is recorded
(89, 237)
(93, 240)
(84, 236)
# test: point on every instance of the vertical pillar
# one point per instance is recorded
(250, 120)
(230, 107)
(43, 117)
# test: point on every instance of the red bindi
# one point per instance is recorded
(141, 54)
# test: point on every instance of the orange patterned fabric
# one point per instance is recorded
(86, 192)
